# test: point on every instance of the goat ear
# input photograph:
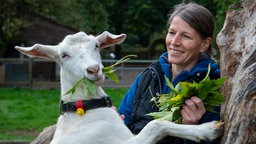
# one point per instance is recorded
(38, 50)
(107, 39)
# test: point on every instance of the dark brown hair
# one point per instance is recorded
(198, 17)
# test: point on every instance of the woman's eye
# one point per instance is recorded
(186, 36)
(171, 33)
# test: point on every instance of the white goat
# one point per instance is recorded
(79, 56)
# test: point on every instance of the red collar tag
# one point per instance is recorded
(80, 108)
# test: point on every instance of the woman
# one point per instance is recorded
(188, 42)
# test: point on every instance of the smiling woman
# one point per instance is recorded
(184, 45)
(188, 36)
(188, 42)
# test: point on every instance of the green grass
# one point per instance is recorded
(25, 112)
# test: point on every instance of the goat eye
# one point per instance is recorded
(97, 46)
(64, 55)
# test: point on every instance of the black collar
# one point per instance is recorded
(84, 105)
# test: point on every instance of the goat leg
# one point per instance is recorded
(157, 129)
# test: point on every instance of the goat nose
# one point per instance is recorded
(93, 69)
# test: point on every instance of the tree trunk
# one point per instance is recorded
(237, 43)
(45, 137)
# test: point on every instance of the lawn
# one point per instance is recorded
(25, 112)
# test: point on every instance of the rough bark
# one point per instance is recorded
(45, 137)
(237, 43)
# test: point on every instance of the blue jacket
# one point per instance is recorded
(202, 67)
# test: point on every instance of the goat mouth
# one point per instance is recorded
(98, 80)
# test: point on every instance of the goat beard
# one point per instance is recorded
(99, 81)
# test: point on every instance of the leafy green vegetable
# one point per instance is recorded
(89, 85)
(170, 104)
(109, 72)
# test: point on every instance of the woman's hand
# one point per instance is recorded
(122, 116)
(192, 111)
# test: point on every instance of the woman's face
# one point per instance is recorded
(184, 44)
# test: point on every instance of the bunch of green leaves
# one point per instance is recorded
(110, 72)
(170, 104)
(89, 85)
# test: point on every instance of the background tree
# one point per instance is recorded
(86, 15)
(10, 21)
(144, 21)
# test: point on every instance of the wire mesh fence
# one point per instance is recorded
(44, 74)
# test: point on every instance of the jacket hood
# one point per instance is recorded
(199, 68)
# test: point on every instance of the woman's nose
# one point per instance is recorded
(175, 40)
